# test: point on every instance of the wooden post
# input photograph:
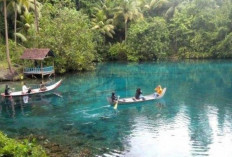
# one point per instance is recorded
(23, 67)
(41, 68)
(53, 68)
(23, 70)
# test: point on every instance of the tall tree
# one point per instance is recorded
(36, 17)
(6, 36)
(16, 8)
(102, 19)
(172, 7)
(149, 6)
(103, 24)
(130, 11)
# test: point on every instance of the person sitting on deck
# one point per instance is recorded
(158, 90)
(25, 90)
(42, 87)
(114, 97)
(138, 94)
(7, 90)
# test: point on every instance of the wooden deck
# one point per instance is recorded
(39, 71)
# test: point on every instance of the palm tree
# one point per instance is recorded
(130, 11)
(172, 6)
(6, 36)
(36, 5)
(26, 22)
(17, 8)
(149, 5)
(36, 17)
(102, 22)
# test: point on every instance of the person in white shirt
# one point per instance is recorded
(25, 89)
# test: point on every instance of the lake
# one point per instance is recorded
(194, 118)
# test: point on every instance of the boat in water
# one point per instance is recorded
(150, 97)
(34, 91)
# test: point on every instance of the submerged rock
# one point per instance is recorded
(24, 131)
(67, 127)
(100, 139)
(75, 132)
(85, 152)
(90, 136)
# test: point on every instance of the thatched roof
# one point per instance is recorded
(37, 54)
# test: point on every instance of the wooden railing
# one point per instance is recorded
(39, 70)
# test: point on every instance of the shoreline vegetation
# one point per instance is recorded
(84, 32)
(36, 145)
(6, 75)
(12, 147)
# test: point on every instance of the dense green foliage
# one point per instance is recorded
(11, 147)
(198, 29)
(149, 40)
(16, 52)
(121, 51)
(69, 35)
(81, 32)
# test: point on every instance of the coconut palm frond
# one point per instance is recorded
(21, 37)
(95, 27)
(109, 34)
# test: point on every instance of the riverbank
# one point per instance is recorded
(6, 75)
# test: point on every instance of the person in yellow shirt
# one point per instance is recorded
(159, 90)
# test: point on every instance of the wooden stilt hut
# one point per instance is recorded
(38, 55)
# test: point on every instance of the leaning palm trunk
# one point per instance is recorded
(6, 35)
(36, 18)
(15, 23)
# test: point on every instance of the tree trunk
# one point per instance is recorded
(125, 30)
(15, 23)
(6, 36)
(36, 18)
(78, 4)
(176, 43)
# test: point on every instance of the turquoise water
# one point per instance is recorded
(194, 118)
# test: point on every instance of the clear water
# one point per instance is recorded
(194, 118)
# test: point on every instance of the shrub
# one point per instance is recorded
(11, 147)
(121, 51)
(149, 39)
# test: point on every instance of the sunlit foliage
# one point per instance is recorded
(131, 30)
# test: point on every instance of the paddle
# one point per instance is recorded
(116, 104)
(57, 94)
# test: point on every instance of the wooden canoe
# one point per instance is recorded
(34, 91)
(133, 100)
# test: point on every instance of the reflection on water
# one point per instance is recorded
(193, 118)
(25, 99)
